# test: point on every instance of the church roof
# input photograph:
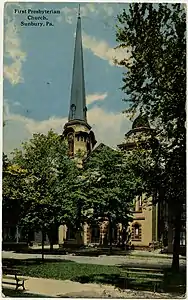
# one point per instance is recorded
(141, 121)
(77, 109)
(96, 150)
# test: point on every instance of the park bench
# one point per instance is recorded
(142, 276)
(12, 276)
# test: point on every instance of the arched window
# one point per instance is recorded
(136, 232)
(71, 144)
(73, 110)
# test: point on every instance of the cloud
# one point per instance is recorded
(95, 97)
(108, 9)
(87, 10)
(108, 127)
(13, 51)
(101, 49)
(16, 103)
(68, 13)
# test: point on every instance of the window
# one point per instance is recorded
(71, 144)
(73, 110)
(182, 238)
(140, 203)
(82, 138)
(136, 232)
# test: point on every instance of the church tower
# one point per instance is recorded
(77, 131)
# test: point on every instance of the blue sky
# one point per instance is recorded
(36, 56)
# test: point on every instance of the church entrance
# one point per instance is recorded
(95, 234)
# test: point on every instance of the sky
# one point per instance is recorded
(38, 70)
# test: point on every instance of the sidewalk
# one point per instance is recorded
(68, 289)
(62, 288)
(153, 261)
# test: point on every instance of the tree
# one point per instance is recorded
(13, 191)
(155, 81)
(110, 187)
(50, 175)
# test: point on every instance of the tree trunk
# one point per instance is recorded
(53, 236)
(51, 240)
(110, 234)
(176, 245)
(51, 246)
(101, 235)
(43, 245)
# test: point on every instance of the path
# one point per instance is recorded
(67, 288)
(154, 261)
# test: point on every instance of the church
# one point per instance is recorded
(144, 228)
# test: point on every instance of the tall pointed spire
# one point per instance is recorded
(79, 10)
(77, 110)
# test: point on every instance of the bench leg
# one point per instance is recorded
(125, 282)
(22, 285)
(155, 287)
(19, 284)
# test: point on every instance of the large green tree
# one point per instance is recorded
(50, 176)
(110, 186)
(13, 190)
(155, 83)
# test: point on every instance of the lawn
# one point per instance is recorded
(86, 273)
(66, 270)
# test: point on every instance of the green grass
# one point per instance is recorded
(90, 273)
(66, 270)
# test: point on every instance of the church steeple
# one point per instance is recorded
(77, 131)
(77, 109)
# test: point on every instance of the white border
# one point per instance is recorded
(2, 2)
